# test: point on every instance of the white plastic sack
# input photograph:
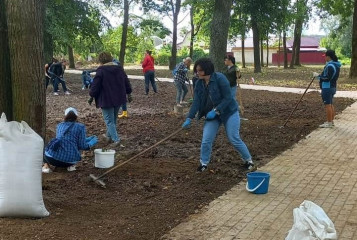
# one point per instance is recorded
(21, 155)
(311, 223)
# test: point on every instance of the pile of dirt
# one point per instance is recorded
(150, 195)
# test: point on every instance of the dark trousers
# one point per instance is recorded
(56, 81)
(150, 78)
(56, 163)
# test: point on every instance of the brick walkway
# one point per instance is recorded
(321, 168)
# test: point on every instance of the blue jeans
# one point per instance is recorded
(110, 116)
(181, 91)
(150, 78)
(210, 130)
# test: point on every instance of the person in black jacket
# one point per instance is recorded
(56, 72)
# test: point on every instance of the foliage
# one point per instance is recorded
(74, 23)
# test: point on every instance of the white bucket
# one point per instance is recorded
(103, 159)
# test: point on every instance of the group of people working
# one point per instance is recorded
(214, 100)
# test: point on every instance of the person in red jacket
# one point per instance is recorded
(149, 72)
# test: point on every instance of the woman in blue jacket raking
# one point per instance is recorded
(213, 100)
(328, 79)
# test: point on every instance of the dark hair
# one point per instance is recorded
(332, 55)
(231, 58)
(206, 64)
(70, 117)
(148, 52)
(105, 57)
(54, 59)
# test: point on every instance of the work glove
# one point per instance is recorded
(315, 74)
(211, 114)
(130, 98)
(90, 100)
(93, 141)
(89, 138)
(187, 123)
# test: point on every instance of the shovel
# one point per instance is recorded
(99, 180)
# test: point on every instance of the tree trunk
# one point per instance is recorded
(261, 52)
(353, 69)
(285, 51)
(243, 53)
(176, 12)
(192, 31)
(298, 42)
(219, 32)
(124, 34)
(257, 66)
(25, 34)
(5, 71)
(71, 57)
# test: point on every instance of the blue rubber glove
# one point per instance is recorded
(93, 141)
(89, 138)
(211, 114)
(187, 123)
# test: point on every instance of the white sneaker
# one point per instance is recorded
(327, 125)
(71, 168)
(179, 105)
(55, 93)
(183, 102)
(67, 93)
(46, 170)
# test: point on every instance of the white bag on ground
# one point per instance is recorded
(311, 223)
(21, 155)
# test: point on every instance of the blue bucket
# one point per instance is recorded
(258, 182)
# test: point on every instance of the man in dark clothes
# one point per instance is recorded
(56, 72)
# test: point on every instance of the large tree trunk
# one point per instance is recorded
(353, 69)
(25, 33)
(176, 12)
(285, 51)
(219, 32)
(124, 35)
(5, 71)
(257, 66)
(243, 53)
(71, 57)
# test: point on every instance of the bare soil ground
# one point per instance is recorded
(150, 195)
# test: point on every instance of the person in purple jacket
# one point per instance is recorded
(109, 89)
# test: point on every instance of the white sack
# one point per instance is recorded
(311, 223)
(21, 155)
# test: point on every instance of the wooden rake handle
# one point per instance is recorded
(140, 153)
(313, 78)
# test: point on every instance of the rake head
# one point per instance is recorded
(97, 180)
